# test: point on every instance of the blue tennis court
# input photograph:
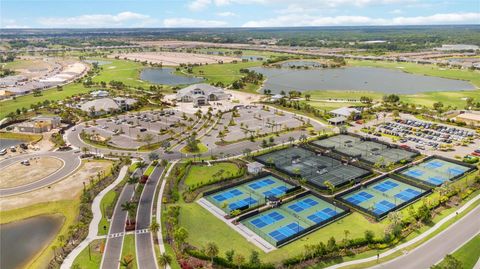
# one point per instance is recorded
(435, 171)
(249, 194)
(290, 218)
(383, 195)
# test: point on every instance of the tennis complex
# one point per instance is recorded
(382, 196)
(315, 168)
(289, 221)
(248, 194)
(435, 171)
(365, 149)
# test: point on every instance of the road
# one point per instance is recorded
(113, 248)
(435, 249)
(143, 239)
(70, 160)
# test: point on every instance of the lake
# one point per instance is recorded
(23, 239)
(166, 76)
(6, 143)
(301, 64)
(356, 78)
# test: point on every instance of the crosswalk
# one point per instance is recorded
(115, 235)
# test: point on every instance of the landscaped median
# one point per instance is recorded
(355, 236)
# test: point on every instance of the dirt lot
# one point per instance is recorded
(18, 174)
(66, 189)
(175, 58)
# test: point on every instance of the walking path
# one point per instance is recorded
(450, 231)
(159, 209)
(93, 227)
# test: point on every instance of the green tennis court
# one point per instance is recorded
(249, 194)
(315, 168)
(435, 172)
(291, 219)
(367, 150)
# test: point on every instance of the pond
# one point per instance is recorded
(166, 76)
(6, 143)
(23, 239)
(356, 78)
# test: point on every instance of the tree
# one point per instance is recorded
(148, 138)
(424, 214)
(132, 180)
(164, 259)
(131, 209)
(180, 235)
(127, 260)
(369, 236)
(141, 165)
(238, 260)
(332, 244)
(254, 258)
(211, 251)
(437, 106)
(449, 262)
(154, 226)
(153, 156)
(229, 255)
(329, 186)
(346, 233)
(307, 97)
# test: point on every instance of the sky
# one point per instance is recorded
(233, 13)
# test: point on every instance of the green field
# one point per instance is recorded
(224, 73)
(51, 94)
(149, 170)
(203, 173)
(468, 254)
(107, 201)
(23, 137)
(129, 249)
(125, 71)
(93, 258)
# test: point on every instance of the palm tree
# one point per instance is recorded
(154, 226)
(211, 251)
(130, 208)
(238, 259)
(132, 180)
(164, 259)
(141, 165)
(126, 262)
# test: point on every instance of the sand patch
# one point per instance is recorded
(18, 174)
(67, 189)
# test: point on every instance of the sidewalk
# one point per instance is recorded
(93, 227)
(411, 242)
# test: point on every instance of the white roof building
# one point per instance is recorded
(345, 112)
(105, 105)
(201, 93)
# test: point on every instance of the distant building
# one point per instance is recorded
(11, 81)
(102, 106)
(99, 94)
(346, 112)
(6, 94)
(39, 124)
(276, 97)
(337, 120)
(201, 94)
(454, 47)
(254, 168)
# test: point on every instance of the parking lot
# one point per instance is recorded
(253, 120)
(129, 131)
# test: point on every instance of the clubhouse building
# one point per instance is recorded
(201, 94)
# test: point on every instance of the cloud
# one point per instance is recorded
(122, 19)
(226, 14)
(187, 22)
(396, 11)
(7, 23)
(199, 4)
(309, 20)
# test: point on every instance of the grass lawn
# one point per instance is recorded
(24, 137)
(204, 173)
(467, 254)
(51, 94)
(133, 167)
(225, 73)
(149, 170)
(201, 149)
(93, 259)
(332, 105)
(129, 249)
(125, 71)
(66, 208)
(106, 202)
